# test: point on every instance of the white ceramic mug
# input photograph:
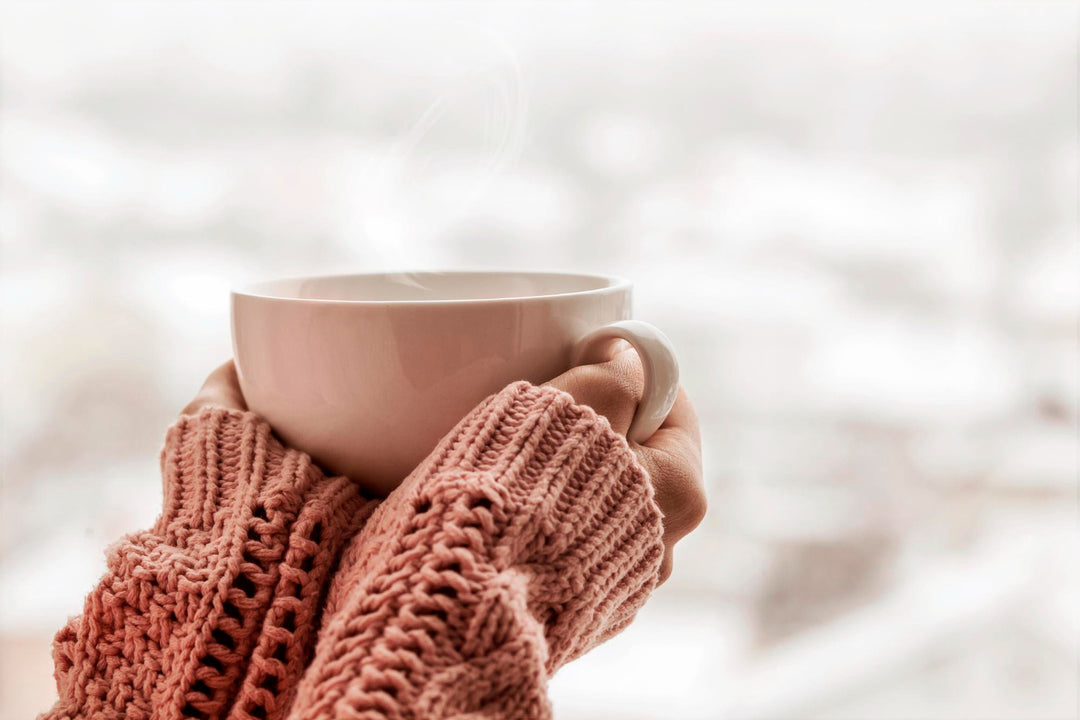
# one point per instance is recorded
(367, 372)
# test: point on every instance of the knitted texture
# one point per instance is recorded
(213, 610)
(528, 536)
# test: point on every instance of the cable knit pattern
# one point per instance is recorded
(528, 536)
(213, 610)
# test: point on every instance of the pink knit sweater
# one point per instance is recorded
(267, 590)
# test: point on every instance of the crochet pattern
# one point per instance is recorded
(527, 536)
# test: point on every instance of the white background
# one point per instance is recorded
(857, 222)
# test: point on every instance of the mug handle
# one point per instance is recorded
(657, 359)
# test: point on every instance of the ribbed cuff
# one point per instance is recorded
(577, 508)
(214, 609)
(224, 467)
(269, 526)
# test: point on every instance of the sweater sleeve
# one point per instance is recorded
(527, 537)
(214, 609)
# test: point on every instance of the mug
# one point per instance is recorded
(367, 372)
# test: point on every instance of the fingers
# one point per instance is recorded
(671, 457)
(680, 494)
(680, 433)
(683, 416)
(221, 389)
(678, 489)
(613, 388)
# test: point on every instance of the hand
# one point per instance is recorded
(672, 456)
(221, 389)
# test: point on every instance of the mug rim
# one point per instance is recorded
(260, 289)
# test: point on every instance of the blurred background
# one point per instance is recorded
(857, 222)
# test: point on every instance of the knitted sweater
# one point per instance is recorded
(268, 590)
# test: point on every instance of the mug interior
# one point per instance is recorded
(431, 286)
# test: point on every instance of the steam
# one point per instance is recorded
(407, 209)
